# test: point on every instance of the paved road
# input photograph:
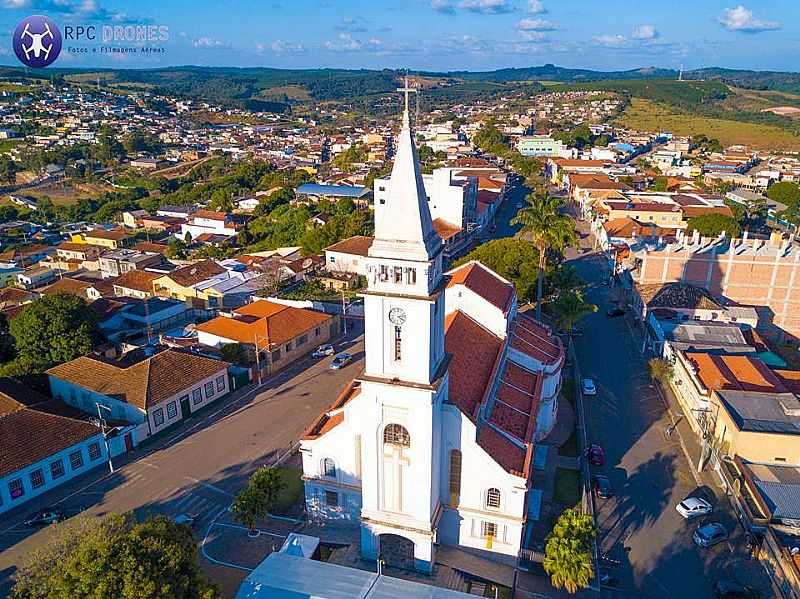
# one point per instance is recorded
(199, 468)
(648, 469)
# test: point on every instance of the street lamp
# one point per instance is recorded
(102, 424)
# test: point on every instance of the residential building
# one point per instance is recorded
(204, 222)
(153, 391)
(38, 276)
(281, 333)
(541, 146)
(751, 272)
(43, 444)
(112, 240)
(118, 262)
(348, 255)
(86, 289)
(135, 283)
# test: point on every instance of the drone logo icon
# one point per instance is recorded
(37, 41)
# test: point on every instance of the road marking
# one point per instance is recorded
(261, 531)
(209, 486)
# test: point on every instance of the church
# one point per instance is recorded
(432, 444)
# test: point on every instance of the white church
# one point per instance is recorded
(433, 443)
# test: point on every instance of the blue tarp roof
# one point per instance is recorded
(345, 191)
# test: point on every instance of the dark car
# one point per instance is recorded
(602, 486)
(615, 312)
(730, 589)
(44, 518)
(595, 455)
(341, 361)
(710, 534)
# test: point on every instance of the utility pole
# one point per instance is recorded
(102, 424)
(258, 360)
(344, 313)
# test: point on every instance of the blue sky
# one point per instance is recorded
(439, 34)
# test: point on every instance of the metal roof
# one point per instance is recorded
(780, 488)
(344, 191)
(283, 576)
(762, 412)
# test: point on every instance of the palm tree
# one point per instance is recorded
(548, 229)
(660, 370)
(568, 552)
(570, 307)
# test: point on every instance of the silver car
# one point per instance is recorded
(692, 507)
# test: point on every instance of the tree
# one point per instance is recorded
(6, 340)
(548, 229)
(713, 225)
(570, 308)
(785, 192)
(568, 552)
(258, 497)
(176, 248)
(514, 259)
(115, 556)
(8, 170)
(660, 370)
(54, 329)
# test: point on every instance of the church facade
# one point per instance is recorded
(433, 442)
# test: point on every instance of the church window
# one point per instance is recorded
(411, 276)
(455, 476)
(357, 444)
(329, 468)
(384, 276)
(395, 434)
(488, 529)
(493, 498)
(398, 274)
(398, 343)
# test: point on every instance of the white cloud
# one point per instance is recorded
(209, 42)
(536, 7)
(16, 3)
(533, 36)
(345, 43)
(611, 41)
(486, 6)
(645, 32)
(535, 25)
(743, 20)
(282, 47)
(443, 6)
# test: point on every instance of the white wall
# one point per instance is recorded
(340, 262)
(461, 297)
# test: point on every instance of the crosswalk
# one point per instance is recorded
(200, 506)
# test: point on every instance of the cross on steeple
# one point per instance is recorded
(406, 90)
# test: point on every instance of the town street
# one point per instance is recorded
(648, 469)
(197, 469)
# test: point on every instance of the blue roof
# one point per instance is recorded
(345, 191)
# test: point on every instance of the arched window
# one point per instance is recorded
(329, 468)
(394, 434)
(493, 498)
(455, 476)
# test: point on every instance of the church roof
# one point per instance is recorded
(475, 354)
(486, 283)
(403, 228)
(509, 455)
(534, 339)
(334, 415)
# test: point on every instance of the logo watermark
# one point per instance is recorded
(37, 41)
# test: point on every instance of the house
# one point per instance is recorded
(112, 240)
(37, 276)
(179, 212)
(135, 283)
(208, 221)
(360, 195)
(43, 444)
(132, 218)
(348, 255)
(123, 318)
(153, 391)
(25, 256)
(118, 262)
(281, 333)
(71, 257)
(148, 164)
(86, 289)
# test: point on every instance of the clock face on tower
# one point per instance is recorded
(397, 316)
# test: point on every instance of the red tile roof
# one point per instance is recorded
(505, 452)
(536, 340)
(475, 352)
(743, 373)
(358, 245)
(138, 280)
(476, 277)
(445, 229)
(334, 415)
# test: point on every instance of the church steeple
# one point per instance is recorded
(403, 227)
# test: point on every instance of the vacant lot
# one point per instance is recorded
(67, 193)
(649, 116)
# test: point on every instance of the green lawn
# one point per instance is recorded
(570, 448)
(567, 487)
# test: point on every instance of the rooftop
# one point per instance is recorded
(763, 412)
(484, 282)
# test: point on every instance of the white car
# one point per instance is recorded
(692, 507)
(588, 388)
(323, 350)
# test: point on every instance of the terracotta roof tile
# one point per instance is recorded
(334, 415)
(536, 340)
(476, 277)
(145, 383)
(743, 373)
(504, 451)
(475, 352)
(139, 280)
(358, 245)
(192, 274)
(509, 419)
(445, 229)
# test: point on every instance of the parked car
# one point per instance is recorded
(595, 455)
(710, 534)
(323, 350)
(693, 507)
(44, 518)
(341, 361)
(730, 589)
(602, 486)
(588, 388)
(185, 519)
(615, 312)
